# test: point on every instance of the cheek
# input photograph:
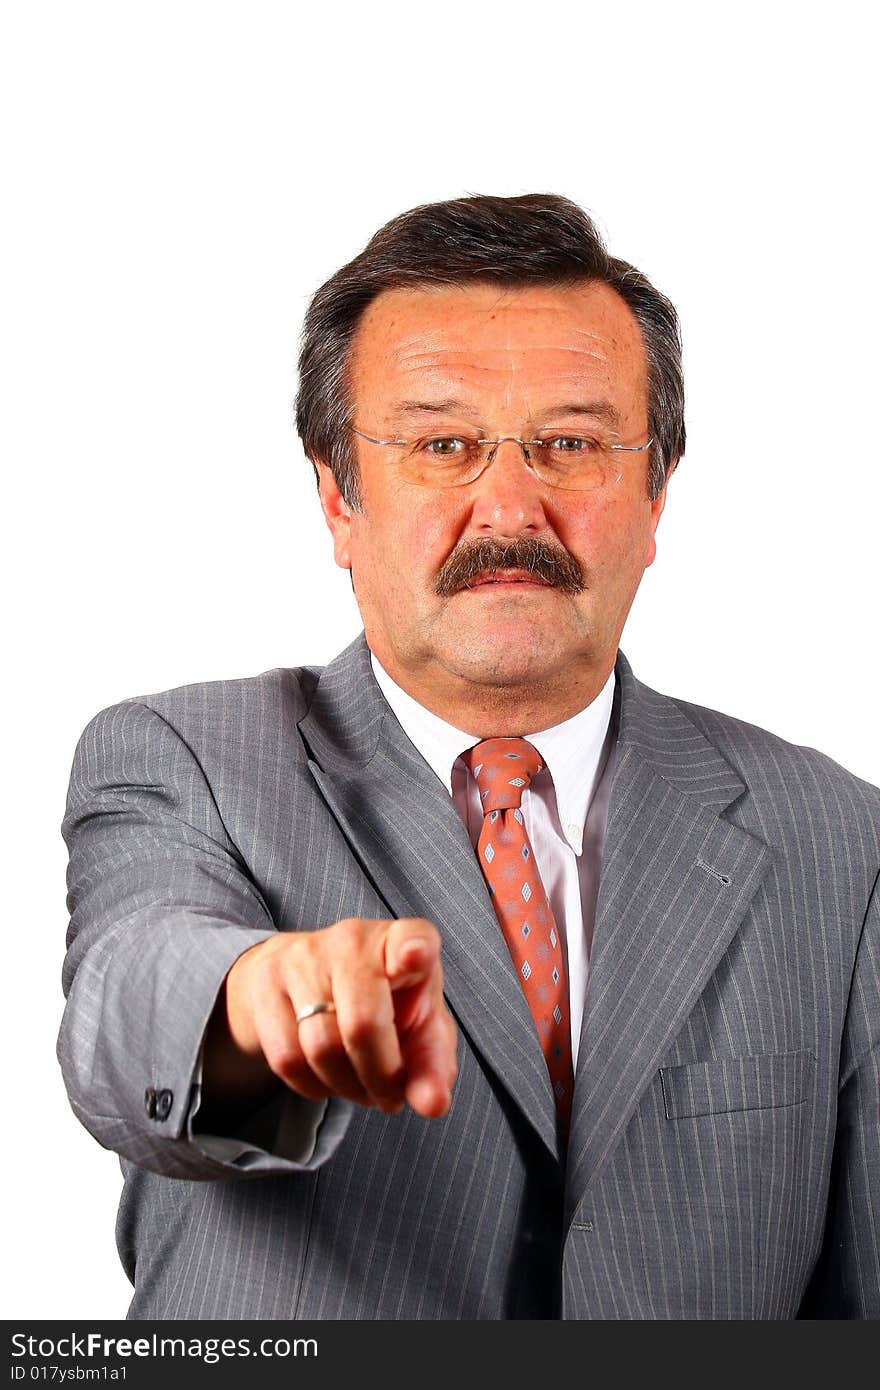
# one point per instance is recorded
(600, 529)
(610, 539)
(429, 527)
(410, 539)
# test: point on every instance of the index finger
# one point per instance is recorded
(412, 951)
(426, 1028)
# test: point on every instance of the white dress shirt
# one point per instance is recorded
(565, 808)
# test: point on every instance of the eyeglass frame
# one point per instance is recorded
(523, 444)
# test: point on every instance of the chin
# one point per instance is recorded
(497, 660)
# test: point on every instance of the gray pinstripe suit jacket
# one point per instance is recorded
(725, 1151)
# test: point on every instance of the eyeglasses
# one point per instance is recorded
(575, 462)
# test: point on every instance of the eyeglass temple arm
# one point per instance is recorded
(371, 440)
(633, 448)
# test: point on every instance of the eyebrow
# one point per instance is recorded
(403, 408)
(597, 410)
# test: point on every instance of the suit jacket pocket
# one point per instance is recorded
(736, 1083)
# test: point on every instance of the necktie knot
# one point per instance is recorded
(503, 768)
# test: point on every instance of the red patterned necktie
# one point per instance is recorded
(503, 768)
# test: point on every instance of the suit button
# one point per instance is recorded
(150, 1103)
(164, 1102)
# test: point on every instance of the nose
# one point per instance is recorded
(508, 494)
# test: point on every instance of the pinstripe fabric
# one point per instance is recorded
(724, 1159)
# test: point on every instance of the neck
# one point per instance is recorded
(502, 711)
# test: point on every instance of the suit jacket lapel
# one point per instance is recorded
(677, 878)
(412, 846)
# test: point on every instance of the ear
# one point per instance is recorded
(337, 514)
(657, 506)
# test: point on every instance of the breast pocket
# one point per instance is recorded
(730, 1084)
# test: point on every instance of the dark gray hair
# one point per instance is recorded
(536, 239)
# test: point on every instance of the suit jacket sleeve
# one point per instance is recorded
(161, 906)
(846, 1282)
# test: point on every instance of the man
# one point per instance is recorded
(468, 977)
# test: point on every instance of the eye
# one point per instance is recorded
(445, 446)
(572, 444)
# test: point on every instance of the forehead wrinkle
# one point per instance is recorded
(428, 380)
(490, 359)
(433, 341)
(434, 362)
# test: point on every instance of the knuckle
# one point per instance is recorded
(309, 945)
(299, 955)
(322, 1049)
(350, 932)
(284, 1059)
(358, 1027)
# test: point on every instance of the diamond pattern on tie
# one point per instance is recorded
(507, 861)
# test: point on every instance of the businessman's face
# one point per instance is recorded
(469, 640)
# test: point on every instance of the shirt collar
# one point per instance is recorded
(571, 751)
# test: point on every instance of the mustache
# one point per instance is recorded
(473, 559)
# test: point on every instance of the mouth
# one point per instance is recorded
(521, 579)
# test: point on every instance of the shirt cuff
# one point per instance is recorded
(286, 1126)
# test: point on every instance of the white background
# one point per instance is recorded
(180, 177)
